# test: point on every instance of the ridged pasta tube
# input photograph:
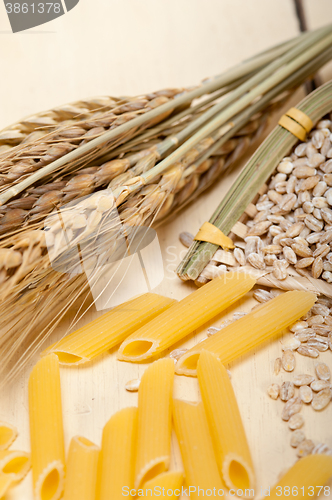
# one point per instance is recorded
(110, 329)
(304, 478)
(8, 434)
(248, 332)
(117, 457)
(225, 423)
(167, 484)
(192, 430)
(46, 429)
(185, 317)
(154, 421)
(15, 463)
(81, 473)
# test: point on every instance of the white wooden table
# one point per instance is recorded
(128, 47)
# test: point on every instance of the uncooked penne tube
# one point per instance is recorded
(154, 421)
(198, 456)
(171, 482)
(81, 470)
(248, 332)
(8, 434)
(117, 457)
(46, 429)
(108, 330)
(15, 463)
(185, 316)
(305, 479)
(6, 481)
(225, 423)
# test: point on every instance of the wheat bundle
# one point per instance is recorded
(153, 153)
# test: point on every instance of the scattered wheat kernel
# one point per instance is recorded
(319, 385)
(297, 438)
(212, 330)
(277, 366)
(321, 399)
(133, 385)
(186, 239)
(287, 391)
(177, 353)
(311, 352)
(273, 391)
(318, 343)
(317, 319)
(306, 393)
(296, 422)
(288, 360)
(290, 344)
(262, 295)
(299, 325)
(303, 379)
(293, 406)
(323, 372)
(239, 314)
(322, 330)
(304, 335)
(305, 448)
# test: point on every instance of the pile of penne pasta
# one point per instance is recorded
(134, 457)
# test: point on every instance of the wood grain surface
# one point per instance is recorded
(126, 47)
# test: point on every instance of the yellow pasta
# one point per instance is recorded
(6, 481)
(225, 423)
(167, 484)
(117, 457)
(15, 463)
(199, 461)
(248, 332)
(305, 479)
(81, 473)
(108, 330)
(8, 434)
(185, 316)
(154, 421)
(46, 429)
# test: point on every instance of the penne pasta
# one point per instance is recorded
(225, 423)
(167, 484)
(185, 317)
(46, 429)
(6, 482)
(108, 330)
(199, 461)
(15, 463)
(154, 421)
(240, 337)
(81, 473)
(8, 434)
(117, 457)
(305, 479)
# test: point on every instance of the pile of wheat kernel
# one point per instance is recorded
(293, 223)
(310, 336)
